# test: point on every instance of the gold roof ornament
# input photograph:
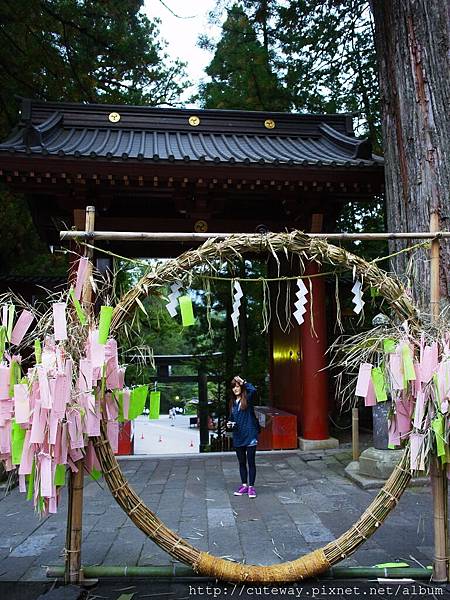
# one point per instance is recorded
(114, 117)
(194, 121)
(269, 124)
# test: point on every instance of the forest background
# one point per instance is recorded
(272, 55)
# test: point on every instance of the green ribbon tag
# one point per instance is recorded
(2, 340)
(119, 397)
(408, 365)
(104, 323)
(60, 475)
(17, 439)
(155, 398)
(14, 376)
(438, 427)
(30, 489)
(95, 474)
(379, 384)
(187, 312)
(38, 351)
(11, 311)
(80, 312)
(389, 345)
(374, 292)
(138, 397)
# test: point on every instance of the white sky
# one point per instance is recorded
(182, 34)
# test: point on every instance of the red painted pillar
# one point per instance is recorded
(314, 418)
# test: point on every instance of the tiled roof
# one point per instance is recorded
(161, 134)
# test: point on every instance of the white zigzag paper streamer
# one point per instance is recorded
(236, 303)
(173, 298)
(301, 301)
(357, 297)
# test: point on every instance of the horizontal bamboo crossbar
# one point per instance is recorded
(138, 236)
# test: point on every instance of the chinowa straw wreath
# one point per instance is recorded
(319, 560)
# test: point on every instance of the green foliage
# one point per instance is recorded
(80, 51)
(240, 71)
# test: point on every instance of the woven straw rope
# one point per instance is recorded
(315, 562)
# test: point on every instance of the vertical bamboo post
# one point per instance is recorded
(439, 483)
(355, 433)
(74, 529)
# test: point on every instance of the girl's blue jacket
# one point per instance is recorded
(246, 429)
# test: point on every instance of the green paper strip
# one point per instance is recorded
(30, 489)
(374, 292)
(391, 446)
(187, 312)
(392, 565)
(60, 475)
(104, 323)
(155, 398)
(80, 312)
(11, 311)
(95, 474)
(438, 427)
(389, 345)
(138, 397)
(17, 439)
(38, 351)
(119, 397)
(379, 384)
(2, 340)
(408, 365)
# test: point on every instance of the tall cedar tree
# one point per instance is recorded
(413, 43)
(81, 51)
(240, 71)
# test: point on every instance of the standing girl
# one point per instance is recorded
(245, 428)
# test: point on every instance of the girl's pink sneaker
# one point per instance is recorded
(242, 490)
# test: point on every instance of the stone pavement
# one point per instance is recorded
(304, 501)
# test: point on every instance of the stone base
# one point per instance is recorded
(309, 445)
(378, 464)
(369, 483)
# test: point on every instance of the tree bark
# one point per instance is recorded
(412, 43)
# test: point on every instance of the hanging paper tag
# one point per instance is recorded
(389, 345)
(155, 398)
(2, 341)
(438, 428)
(408, 365)
(173, 297)
(17, 439)
(60, 475)
(11, 311)
(236, 303)
(187, 313)
(301, 301)
(21, 327)
(137, 401)
(80, 313)
(104, 323)
(59, 321)
(357, 297)
(81, 276)
(379, 384)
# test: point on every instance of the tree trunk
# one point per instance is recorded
(412, 43)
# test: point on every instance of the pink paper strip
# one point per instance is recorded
(44, 388)
(113, 435)
(46, 477)
(76, 454)
(85, 376)
(403, 411)
(92, 424)
(75, 430)
(26, 463)
(59, 320)
(4, 382)
(362, 384)
(64, 445)
(21, 403)
(126, 403)
(416, 444)
(59, 396)
(21, 327)
(396, 371)
(52, 505)
(419, 410)
(22, 484)
(53, 428)
(95, 351)
(429, 362)
(81, 276)
(370, 399)
(394, 435)
(38, 425)
(112, 409)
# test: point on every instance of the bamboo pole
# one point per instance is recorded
(355, 433)
(439, 485)
(136, 236)
(73, 572)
